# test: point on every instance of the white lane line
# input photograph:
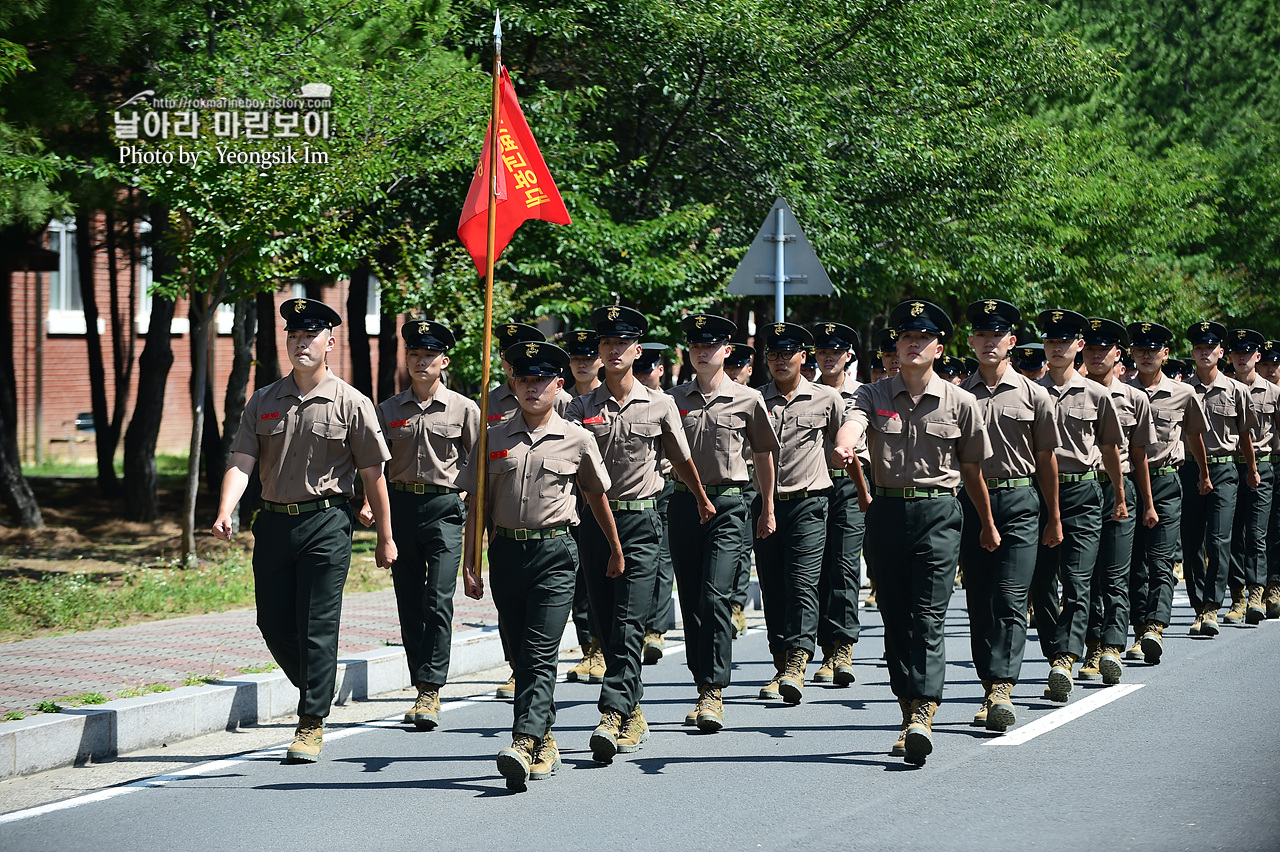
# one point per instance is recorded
(1058, 718)
(271, 752)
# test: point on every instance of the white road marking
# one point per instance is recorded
(1072, 711)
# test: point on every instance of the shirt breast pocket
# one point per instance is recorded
(890, 425)
(809, 427)
(1222, 408)
(642, 441)
(274, 426)
(444, 439)
(1021, 415)
(1082, 415)
(729, 437)
(942, 429)
(555, 477)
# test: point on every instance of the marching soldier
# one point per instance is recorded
(886, 343)
(807, 418)
(925, 436)
(1019, 419)
(1109, 589)
(648, 370)
(535, 459)
(430, 431)
(635, 428)
(310, 433)
(1253, 505)
(1180, 424)
(838, 623)
(1207, 518)
(718, 416)
(1089, 437)
(1029, 361)
(739, 366)
(1269, 368)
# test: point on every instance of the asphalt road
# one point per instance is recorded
(1180, 756)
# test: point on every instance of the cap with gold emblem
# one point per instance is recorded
(650, 357)
(308, 315)
(512, 333)
(886, 341)
(1058, 324)
(708, 328)
(740, 355)
(1029, 356)
(617, 321)
(993, 315)
(1271, 350)
(1244, 340)
(1206, 331)
(425, 334)
(916, 315)
(1105, 332)
(786, 337)
(1174, 368)
(833, 335)
(949, 365)
(1148, 335)
(581, 343)
(811, 357)
(536, 359)
(970, 366)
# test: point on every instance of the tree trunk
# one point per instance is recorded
(106, 451)
(201, 316)
(140, 438)
(388, 349)
(268, 359)
(210, 440)
(122, 336)
(14, 489)
(237, 384)
(358, 333)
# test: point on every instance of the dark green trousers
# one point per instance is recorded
(1249, 528)
(997, 584)
(1151, 578)
(428, 533)
(1273, 541)
(742, 576)
(532, 584)
(621, 604)
(583, 621)
(660, 616)
(788, 565)
(705, 557)
(1109, 588)
(300, 565)
(1206, 532)
(838, 617)
(1061, 621)
(916, 543)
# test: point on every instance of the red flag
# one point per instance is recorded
(525, 187)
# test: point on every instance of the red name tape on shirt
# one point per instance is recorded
(683, 412)
(596, 419)
(275, 415)
(884, 413)
(500, 454)
(493, 417)
(394, 423)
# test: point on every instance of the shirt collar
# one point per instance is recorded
(933, 388)
(555, 426)
(325, 389)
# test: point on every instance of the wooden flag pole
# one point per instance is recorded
(482, 449)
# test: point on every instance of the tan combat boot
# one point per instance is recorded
(425, 713)
(769, 692)
(654, 647)
(980, 718)
(307, 740)
(791, 683)
(634, 732)
(738, 618)
(691, 718)
(1239, 598)
(1001, 717)
(1152, 642)
(1272, 597)
(604, 739)
(1089, 667)
(508, 689)
(586, 669)
(899, 748)
(827, 671)
(1197, 624)
(919, 737)
(1134, 651)
(515, 760)
(870, 602)
(843, 665)
(1209, 625)
(1059, 688)
(710, 710)
(546, 759)
(1254, 612)
(1110, 666)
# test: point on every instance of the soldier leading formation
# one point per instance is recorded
(1065, 480)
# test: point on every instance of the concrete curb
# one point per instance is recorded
(78, 735)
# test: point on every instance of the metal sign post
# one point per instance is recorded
(769, 268)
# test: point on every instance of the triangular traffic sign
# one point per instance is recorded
(756, 275)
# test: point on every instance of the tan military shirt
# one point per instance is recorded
(1175, 413)
(634, 436)
(310, 448)
(429, 439)
(1136, 426)
(806, 424)
(719, 425)
(531, 475)
(503, 402)
(919, 443)
(1265, 399)
(1227, 412)
(1019, 418)
(1087, 422)
(848, 391)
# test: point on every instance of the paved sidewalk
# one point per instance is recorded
(169, 651)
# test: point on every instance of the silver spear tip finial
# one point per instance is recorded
(497, 27)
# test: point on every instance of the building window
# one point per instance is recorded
(142, 322)
(66, 310)
(373, 308)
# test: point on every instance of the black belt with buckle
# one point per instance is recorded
(422, 488)
(303, 508)
(531, 535)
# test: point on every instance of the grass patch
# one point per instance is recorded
(167, 466)
(85, 698)
(48, 707)
(260, 669)
(14, 716)
(144, 689)
(193, 679)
